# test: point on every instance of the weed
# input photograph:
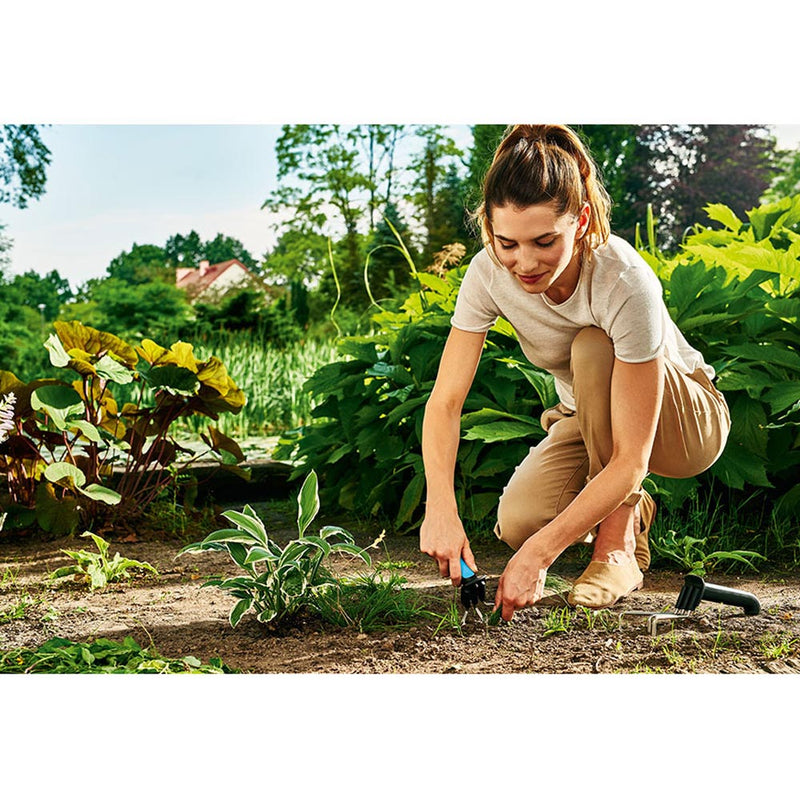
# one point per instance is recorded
(9, 577)
(778, 645)
(451, 619)
(18, 611)
(692, 554)
(370, 602)
(97, 568)
(559, 620)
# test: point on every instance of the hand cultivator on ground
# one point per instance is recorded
(473, 592)
(694, 590)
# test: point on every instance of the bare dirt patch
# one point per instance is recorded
(173, 613)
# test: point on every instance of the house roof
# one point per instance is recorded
(196, 280)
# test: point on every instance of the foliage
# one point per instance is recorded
(678, 170)
(72, 439)
(155, 309)
(62, 656)
(271, 377)
(97, 568)
(364, 441)
(248, 310)
(787, 179)
(371, 602)
(691, 553)
(23, 161)
(28, 302)
(190, 250)
(278, 582)
(735, 294)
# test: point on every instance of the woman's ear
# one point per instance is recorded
(583, 220)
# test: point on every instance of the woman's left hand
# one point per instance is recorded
(522, 582)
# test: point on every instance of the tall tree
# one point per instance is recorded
(690, 166)
(23, 161)
(321, 180)
(143, 264)
(190, 250)
(786, 182)
(429, 167)
(451, 213)
(616, 149)
(485, 139)
(379, 143)
(388, 269)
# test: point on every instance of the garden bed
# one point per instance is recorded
(173, 614)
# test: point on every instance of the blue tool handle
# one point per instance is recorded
(466, 572)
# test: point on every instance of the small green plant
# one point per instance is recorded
(278, 582)
(17, 611)
(690, 553)
(778, 645)
(9, 577)
(61, 656)
(97, 568)
(558, 620)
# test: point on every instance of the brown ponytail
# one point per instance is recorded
(541, 164)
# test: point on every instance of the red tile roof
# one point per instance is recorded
(196, 280)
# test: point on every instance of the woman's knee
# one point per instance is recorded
(519, 518)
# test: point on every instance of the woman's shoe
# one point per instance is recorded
(646, 512)
(602, 585)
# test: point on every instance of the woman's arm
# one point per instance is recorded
(442, 535)
(636, 394)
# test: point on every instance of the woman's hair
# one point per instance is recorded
(542, 164)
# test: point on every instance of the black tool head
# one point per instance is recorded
(691, 594)
(473, 591)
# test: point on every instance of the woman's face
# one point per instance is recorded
(538, 247)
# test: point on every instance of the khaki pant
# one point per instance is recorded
(693, 428)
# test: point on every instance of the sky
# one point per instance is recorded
(112, 186)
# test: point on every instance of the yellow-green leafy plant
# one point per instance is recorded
(74, 455)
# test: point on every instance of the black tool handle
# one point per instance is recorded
(732, 597)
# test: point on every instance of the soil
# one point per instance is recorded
(173, 613)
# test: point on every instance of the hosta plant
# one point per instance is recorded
(75, 454)
(278, 581)
(97, 568)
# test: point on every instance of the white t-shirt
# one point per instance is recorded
(617, 292)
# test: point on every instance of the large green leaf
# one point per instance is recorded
(63, 470)
(307, 502)
(59, 402)
(101, 494)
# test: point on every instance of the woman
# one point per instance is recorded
(635, 397)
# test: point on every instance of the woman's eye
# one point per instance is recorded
(549, 243)
(506, 246)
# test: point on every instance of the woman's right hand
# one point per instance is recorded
(443, 538)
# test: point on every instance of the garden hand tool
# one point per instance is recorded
(696, 589)
(473, 591)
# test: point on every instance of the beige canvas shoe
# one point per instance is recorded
(602, 585)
